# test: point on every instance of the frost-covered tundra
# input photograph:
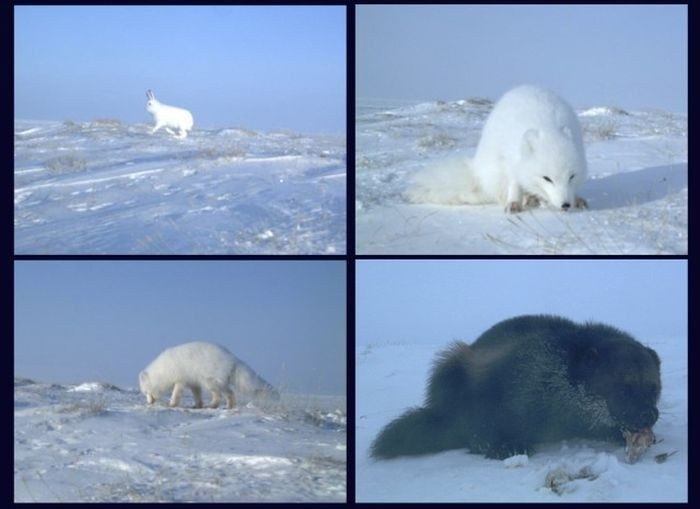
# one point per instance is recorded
(169, 116)
(196, 365)
(530, 151)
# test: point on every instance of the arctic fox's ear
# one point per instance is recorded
(527, 147)
(566, 130)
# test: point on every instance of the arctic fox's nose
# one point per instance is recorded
(565, 205)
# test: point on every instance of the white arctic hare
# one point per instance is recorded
(169, 116)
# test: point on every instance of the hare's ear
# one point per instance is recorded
(150, 95)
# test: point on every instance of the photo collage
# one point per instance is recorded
(349, 253)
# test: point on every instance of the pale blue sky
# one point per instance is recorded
(631, 56)
(437, 301)
(262, 68)
(106, 320)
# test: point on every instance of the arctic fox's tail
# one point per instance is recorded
(418, 431)
(244, 379)
(451, 182)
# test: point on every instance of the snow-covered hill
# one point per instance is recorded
(94, 442)
(391, 377)
(637, 189)
(106, 188)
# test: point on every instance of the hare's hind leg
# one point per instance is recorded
(183, 133)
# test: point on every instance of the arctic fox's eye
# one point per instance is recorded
(548, 180)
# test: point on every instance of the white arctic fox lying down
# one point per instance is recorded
(196, 365)
(530, 150)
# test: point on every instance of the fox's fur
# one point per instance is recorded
(196, 365)
(530, 152)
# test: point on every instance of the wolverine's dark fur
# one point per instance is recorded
(528, 380)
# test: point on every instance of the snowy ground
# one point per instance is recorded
(637, 189)
(391, 377)
(96, 443)
(107, 188)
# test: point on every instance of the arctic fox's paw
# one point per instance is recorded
(514, 207)
(532, 200)
(580, 203)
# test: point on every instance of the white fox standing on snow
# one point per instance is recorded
(196, 365)
(530, 151)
